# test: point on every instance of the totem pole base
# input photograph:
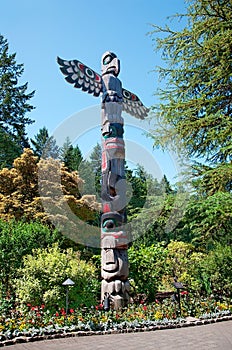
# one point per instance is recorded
(116, 300)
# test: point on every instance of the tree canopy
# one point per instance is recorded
(196, 101)
(44, 145)
(71, 155)
(14, 100)
(32, 185)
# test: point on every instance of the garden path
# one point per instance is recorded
(206, 337)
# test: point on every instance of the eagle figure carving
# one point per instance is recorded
(107, 84)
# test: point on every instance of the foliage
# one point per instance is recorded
(137, 179)
(154, 268)
(18, 186)
(196, 106)
(31, 186)
(95, 158)
(208, 220)
(146, 268)
(44, 145)
(14, 101)
(9, 149)
(90, 172)
(16, 240)
(162, 208)
(71, 156)
(217, 266)
(40, 279)
(182, 262)
(207, 180)
(194, 114)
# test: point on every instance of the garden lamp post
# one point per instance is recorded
(67, 283)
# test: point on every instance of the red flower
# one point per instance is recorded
(57, 314)
(184, 292)
(144, 307)
(42, 306)
(71, 311)
(63, 312)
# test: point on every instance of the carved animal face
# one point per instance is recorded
(110, 64)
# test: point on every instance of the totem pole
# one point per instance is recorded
(115, 99)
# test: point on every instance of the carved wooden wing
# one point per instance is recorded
(133, 105)
(81, 76)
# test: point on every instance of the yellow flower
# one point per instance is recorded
(158, 315)
(71, 318)
(22, 326)
(222, 306)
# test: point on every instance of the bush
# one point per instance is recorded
(183, 262)
(16, 240)
(218, 267)
(41, 277)
(147, 267)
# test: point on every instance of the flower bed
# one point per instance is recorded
(35, 323)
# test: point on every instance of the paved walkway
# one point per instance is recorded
(206, 337)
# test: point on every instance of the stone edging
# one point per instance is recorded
(196, 322)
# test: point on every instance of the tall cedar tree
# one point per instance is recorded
(44, 145)
(14, 101)
(196, 102)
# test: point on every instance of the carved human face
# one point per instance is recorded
(110, 64)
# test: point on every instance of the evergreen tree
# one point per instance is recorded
(90, 172)
(196, 108)
(9, 149)
(14, 101)
(197, 105)
(137, 179)
(44, 145)
(165, 185)
(71, 156)
(95, 159)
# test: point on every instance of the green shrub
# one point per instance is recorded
(16, 240)
(218, 268)
(43, 272)
(183, 262)
(147, 267)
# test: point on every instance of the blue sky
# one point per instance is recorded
(40, 30)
